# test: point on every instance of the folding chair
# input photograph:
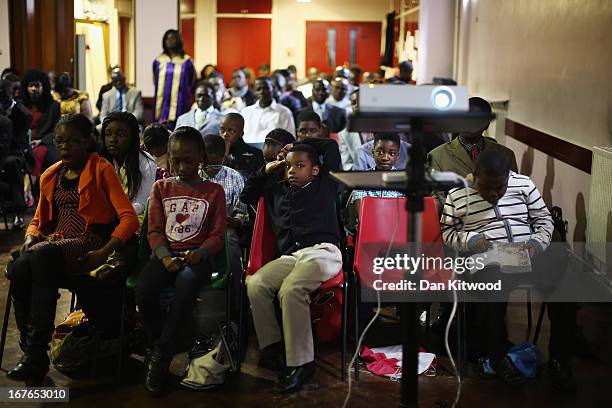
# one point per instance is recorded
(263, 250)
(379, 218)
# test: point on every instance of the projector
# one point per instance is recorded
(409, 98)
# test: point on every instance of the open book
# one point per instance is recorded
(510, 257)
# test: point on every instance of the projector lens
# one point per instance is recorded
(443, 98)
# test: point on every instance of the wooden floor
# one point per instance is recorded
(253, 388)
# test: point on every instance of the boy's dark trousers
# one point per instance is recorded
(488, 318)
(152, 281)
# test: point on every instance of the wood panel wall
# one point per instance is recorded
(42, 35)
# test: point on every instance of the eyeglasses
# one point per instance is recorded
(67, 142)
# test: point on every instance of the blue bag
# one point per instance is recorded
(526, 358)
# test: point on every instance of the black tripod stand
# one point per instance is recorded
(416, 187)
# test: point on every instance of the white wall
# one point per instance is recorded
(289, 24)
(436, 40)
(5, 48)
(552, 59)
(152, 19)
(205, 33)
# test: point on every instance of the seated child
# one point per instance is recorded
(274, 142)
(385, 152)
(237, 213)
(506, 207)
(121, 146)
(83, 215)
(155, 140)
(309, 125)
(300, 200)
(186, 227)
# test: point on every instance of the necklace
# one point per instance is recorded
(71, 174)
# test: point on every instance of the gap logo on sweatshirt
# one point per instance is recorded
(184, 217)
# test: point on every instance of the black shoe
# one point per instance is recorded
(156, 370)
(18, 222)
(562, 375)
(32, 367)
(508, 372)
(294, 378)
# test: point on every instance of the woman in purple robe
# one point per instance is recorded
(174, 76)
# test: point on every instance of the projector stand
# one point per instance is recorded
(415, 192)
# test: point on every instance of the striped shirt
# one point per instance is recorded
(184, 216)
(519, 216)
(233, 183)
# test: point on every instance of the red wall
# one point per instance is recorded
(242, 41)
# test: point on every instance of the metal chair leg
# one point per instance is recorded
(357, 334)
(343, 327)
(3, 210)
(529, 321)
(72, 302)
(94, 364)
(122, 332)
(7, 315)
(536, 335)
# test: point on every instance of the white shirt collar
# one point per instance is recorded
(271, 106)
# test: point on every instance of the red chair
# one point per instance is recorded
(326, 325)
(378, 219)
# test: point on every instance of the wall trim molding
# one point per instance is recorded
(569, 153)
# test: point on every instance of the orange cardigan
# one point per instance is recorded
(102, 199)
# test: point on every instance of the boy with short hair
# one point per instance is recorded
(274, 143)
(385, 151)
(506, 207)
(246, 159)
(309, 125)
(237, 212)
(300, 199)
(155, 139)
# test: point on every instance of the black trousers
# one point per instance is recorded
(36, 277)
(12, 174)
(487, 331)
(152, 281)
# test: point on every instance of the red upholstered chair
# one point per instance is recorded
(378, 219)
(326, 321)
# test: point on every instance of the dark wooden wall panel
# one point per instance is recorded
(569, 153)
(42, 35)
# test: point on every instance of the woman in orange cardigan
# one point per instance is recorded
(83, 215)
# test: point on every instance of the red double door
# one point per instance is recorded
(333, 43)
(246, 42)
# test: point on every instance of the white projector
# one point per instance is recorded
(409, 98)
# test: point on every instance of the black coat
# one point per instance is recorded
(22, 120)
(335, 119)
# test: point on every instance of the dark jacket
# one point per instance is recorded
(22, 120)
(301, 217)
(335, 118)
(6, 132)
(245, 159)
(249, 98)
(46, 125)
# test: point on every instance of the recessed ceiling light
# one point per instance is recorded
(303, 1)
